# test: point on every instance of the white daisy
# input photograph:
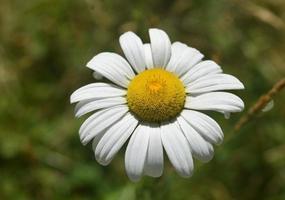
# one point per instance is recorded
(155, 99)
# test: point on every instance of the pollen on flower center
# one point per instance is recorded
(156, 95)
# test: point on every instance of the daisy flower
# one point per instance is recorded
(154, 99)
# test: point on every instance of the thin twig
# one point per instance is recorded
(261, 103)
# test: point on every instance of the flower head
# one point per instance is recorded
(155, 99)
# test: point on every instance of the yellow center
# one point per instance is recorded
(156, 95)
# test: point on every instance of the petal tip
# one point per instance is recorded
(134, 177)
(71, 99)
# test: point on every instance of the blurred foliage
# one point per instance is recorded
(44, 46)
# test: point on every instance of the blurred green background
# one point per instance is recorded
(44, 46)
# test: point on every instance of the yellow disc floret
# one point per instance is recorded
(156, 95)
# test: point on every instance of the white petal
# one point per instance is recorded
(148, 56)
(217, 101)
(183, 58)
(96, 91)
(160, 47)
(133, 49)
(112, 66)
(208, 128)
(96, 140)
(177, 48)
(227, 115)
(177, 149)
(136, 153)
(154, 159)
(97, 75)
(268, 106)
(82, 109)
(114, 138)
(214, 82)
(200, 70)
(99, 121)
(201, 149)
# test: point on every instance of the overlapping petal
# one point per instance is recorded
(112, 66)
(200, 70)
(96, 91)
(96, 104)
(177, 149)
(148, 56)
(208, 128)
(214, 82)
(177, 48)
(134, 51)
(160, 47)
(136, 152)
(183, 58)
(99, 121)
(223, 102)
(201, 149)
(114, 138)
(154, 160)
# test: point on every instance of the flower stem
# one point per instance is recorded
(260, 104)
